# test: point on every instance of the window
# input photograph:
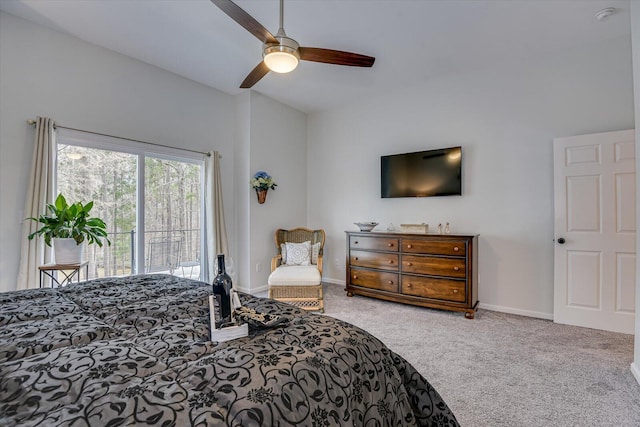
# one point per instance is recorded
(151, 201)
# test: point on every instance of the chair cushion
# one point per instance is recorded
(295, 275)
(298, 253)
(315, 253)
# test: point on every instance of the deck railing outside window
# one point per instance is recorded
(119, 258)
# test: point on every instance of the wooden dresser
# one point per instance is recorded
(429, 270)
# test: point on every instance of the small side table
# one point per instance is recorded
(70, 272)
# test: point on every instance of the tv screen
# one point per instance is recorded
(422, 174)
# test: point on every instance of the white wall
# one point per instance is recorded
(505, 118)
(278, 146)
(635, 35)
(46, 73)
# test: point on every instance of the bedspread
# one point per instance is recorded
(136, 351)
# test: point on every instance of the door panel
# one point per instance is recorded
(626, 203)
(583, 203)
(625, 283)
(584, 278)
(595, 209)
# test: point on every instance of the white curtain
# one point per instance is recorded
(40, 192)
(217, 242)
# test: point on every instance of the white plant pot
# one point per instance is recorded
(66, 251)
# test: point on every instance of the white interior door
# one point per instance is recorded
(595, 231)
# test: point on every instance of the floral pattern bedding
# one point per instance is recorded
(136, 351)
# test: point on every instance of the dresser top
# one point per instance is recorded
(402, 233)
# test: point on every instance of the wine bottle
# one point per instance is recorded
(222, 291)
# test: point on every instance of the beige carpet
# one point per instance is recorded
(506, 370)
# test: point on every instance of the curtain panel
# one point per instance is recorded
(40, 192)
(217, 242)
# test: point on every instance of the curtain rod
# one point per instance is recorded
(32, 122)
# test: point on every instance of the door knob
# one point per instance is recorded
(561, 240)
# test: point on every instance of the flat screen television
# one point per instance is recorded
(422, 174)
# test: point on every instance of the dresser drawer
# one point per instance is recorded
(428, 287)
(374, 279)
(373, 243)
(379, 260)
(435, 247)
(437, 266)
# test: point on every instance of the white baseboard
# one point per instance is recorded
(519, 312)
(254, 291)
(635, 370)
(334, 281)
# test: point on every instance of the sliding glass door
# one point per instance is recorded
(108, 178)
(151, 203)
(172, 231)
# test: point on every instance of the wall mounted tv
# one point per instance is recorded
(422, 174)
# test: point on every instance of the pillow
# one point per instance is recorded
(315, 252)
(283, 253)
(298, 253)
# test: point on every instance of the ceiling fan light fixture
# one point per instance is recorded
(282, 57)
(281, 61)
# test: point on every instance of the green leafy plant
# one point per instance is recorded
(70, 221)
(263, 181)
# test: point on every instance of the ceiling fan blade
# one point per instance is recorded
(338, 57)
(245, 20)
(255, 75)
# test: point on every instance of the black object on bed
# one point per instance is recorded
(136, 351)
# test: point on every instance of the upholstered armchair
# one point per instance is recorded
(296, 270)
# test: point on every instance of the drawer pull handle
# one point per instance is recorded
(355, 258)
(390, 261)
(355, 243)
(391, 282)
(409, 246)
(456, 249)
(355, 276)
(390, 245)
(409, 285)
(455, 291)
(456, 268)
(409, 264)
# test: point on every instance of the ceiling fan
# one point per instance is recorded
(281, 53)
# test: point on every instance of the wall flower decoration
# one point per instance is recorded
(262, 182)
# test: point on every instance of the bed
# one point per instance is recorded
(136, 351)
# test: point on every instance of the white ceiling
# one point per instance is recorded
(413, 40)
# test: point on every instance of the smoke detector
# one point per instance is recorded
(603, 14)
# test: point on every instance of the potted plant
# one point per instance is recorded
(68, 226)
(262, 182)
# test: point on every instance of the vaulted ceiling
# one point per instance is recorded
(413, 41)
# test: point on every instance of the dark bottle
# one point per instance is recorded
(222, 292)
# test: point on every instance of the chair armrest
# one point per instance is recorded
(276, 261)
(320, 265)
